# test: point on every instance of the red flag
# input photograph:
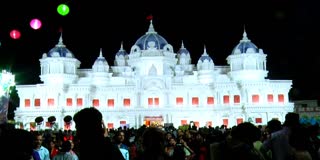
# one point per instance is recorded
(60, 29)
(150, 17)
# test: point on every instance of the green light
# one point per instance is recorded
(6, 82)
(63, 9)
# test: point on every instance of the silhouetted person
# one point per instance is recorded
(153, 144)
(65, 152)
(90, 132)
(278, 142)
(16, 144)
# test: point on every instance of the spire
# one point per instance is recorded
(182, 45)
(244, 35)
(100, 54)
(151, 28)
(205, 51)
(121, 46)
(60, 43)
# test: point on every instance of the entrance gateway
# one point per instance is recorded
(153, 121)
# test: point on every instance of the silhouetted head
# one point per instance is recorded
(66, 146)
(88, 121)
(274, 125)
(246, 132)
(291, 119)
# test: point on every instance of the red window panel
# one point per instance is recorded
(210, 100)
(79, 102)
(281, 98)
(255, 98)
(27, 102)
(225, 122)
(197, 124)
(184, 122)
(226, 99)
(195, 101)
(37, 102)
(110, 125)
(239, 120)
(123, 122)
(258, 120)
(69, 102)
(270, 98)
(95, 102)
(110, 102)
(179, 100)
(50, 102)
(156, 101)
(236, 99)
(150, 101)
(126, 102)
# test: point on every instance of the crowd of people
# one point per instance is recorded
(91, 140)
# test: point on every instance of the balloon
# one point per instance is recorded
(35, 23)
(15, 34)
(63, 9)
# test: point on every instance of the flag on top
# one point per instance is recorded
(150, 17)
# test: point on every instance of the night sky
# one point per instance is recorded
(287, 31)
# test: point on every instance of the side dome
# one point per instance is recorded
(100, 64)
(60, 50)
(205, 57)
(183, 50)
(121, 52)
(245, 46)
(151, 39)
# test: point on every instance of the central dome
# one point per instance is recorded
(60, 50)
(151, 39)
(245, 46)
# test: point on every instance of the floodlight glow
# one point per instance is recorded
(7, 80)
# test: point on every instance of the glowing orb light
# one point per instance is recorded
(35, 24)
(15, 34)
(63, 9)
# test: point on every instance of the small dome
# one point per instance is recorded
(60, 50)
(183, 50)
(151, 40)
(100, 64)
(121, 52)
(205, 56)
(100, 60)
(245, 46)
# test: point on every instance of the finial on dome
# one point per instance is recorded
(100, 54)
(121, 46)
(205, 50)
(151, 28)
(244, 35)
(60, 43)
(182, 45)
